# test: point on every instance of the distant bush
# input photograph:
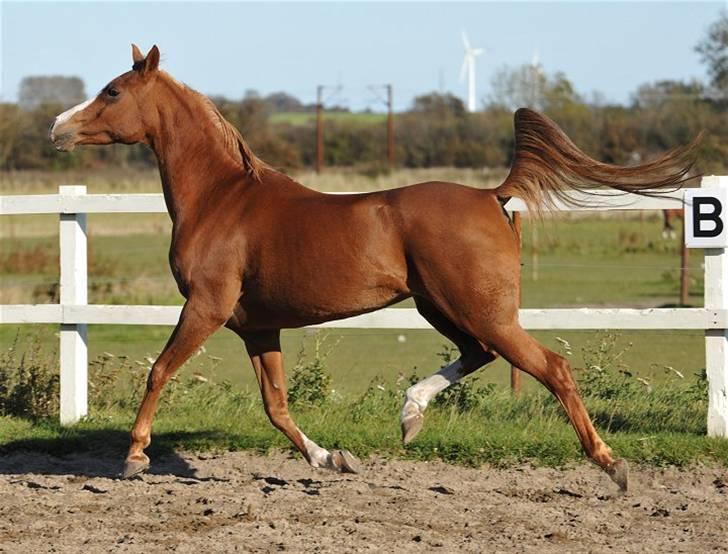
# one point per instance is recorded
(435, 132)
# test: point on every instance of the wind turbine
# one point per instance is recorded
(536, 61)
(536, 70)
(469, 69)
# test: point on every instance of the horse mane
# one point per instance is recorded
(233, 141)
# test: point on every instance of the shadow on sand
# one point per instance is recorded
(95, 453)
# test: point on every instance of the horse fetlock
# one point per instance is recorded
(417, 396)
(140, 441)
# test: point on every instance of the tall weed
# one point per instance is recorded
(29, 382)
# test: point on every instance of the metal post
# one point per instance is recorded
(684, 270)
(716, 340)
(74, 351)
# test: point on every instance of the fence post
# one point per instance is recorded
(74, 290)
(716, 340)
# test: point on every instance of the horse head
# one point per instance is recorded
(119, 113)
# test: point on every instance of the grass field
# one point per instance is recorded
(472, 424)
(596, 262)
(305, 118)
(613, 261)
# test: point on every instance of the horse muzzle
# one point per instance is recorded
(63, 138)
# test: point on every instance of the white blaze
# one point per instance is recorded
(70, 112)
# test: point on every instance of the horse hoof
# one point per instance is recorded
(619, 473)
(345, 462)
(133, 468)
(411, 426)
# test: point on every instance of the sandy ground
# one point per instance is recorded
(241, 502)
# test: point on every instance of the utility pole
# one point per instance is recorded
(389, 101)
(320, 100)
(390, 128)
(319, 129)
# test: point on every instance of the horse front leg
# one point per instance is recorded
(199, 319)
(265, 354)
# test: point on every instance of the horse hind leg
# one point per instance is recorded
(554, 372)
(473, 356)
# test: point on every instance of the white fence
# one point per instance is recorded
(73, 312)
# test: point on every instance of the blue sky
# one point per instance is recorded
(227, 48)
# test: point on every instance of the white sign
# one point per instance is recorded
(706, 218)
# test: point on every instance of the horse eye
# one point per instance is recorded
(111, 91)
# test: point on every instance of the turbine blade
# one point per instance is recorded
(535, 60)
(466, 42)
(464, 68)
(476, 51)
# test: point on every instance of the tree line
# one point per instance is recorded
(436, 130)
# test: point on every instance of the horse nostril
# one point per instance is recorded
(50, 131)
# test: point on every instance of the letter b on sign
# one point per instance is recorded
(705, 218)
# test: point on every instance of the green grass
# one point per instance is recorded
(604, 262)
(362, 355)
(659, 423)
(664, 426)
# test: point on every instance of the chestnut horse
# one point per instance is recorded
(255, 251)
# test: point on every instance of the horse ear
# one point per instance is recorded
(145, 64)
(152, 60)
(136, 54)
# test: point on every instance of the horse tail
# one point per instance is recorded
(547, 166)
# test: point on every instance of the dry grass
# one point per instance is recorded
(97, 181)
(147, 181)
(342, 180)
(119, 180)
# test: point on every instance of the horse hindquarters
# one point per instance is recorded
(493, 321)
(477, 290)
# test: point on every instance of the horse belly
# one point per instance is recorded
(298, 310)
(306, 297)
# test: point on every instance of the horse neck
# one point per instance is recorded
(190, 150)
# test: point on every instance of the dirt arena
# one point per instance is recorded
(241, 502)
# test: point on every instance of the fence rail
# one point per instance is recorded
(73, 313)
(388, 318)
